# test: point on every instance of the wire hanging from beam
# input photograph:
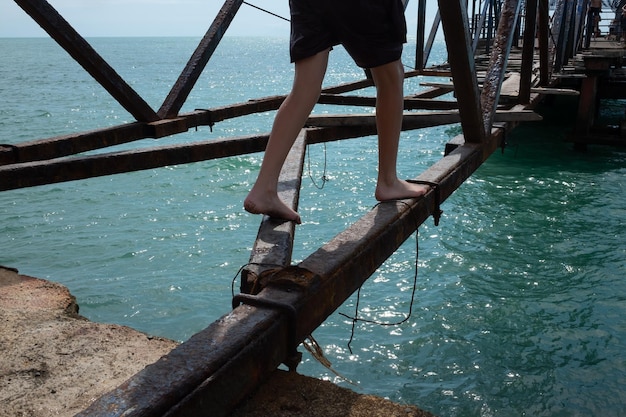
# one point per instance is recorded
(266, 11)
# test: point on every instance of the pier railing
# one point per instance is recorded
(280, 303)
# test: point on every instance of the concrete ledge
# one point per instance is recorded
(56, 363)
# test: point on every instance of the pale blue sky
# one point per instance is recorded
(160, 17)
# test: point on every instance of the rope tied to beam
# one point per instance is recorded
(285, 278)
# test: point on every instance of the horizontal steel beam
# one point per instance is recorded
(56, 147)
(410, 103)
(30, 174)
(416, 120)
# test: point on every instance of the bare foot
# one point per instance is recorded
(270, 205)
(400, 190)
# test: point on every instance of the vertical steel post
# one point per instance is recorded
(461, 57)
(528, 51)
(543, 34)
(498, 61)
(421, 29)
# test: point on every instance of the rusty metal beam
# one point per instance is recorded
(543, 37)
(431, 37)
(49, 172)
(498, 61)
(274, 242)
(211, 372)
(192, 71)
(70, 40)
(30, 174)
(60, 146)
(410, 103)
(415, 120)
(460, 56)
(60, 170)
(420, 62)
(528, 51)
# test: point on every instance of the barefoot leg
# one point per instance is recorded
(291, 116)
(389, 79)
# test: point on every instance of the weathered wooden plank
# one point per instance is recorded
(70, 40)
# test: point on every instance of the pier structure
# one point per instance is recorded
(504, 57)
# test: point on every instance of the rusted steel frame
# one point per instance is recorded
(70, 40)
(580, 25)
(461, 58)
(219, 366)
(588, 25)
(36, 173)
(543, 37)
(481, 23)
(347, 260)
(409, 103)
(274, 242)
(192, 71)
(432, 92)
(71, 144)
(561, 19)
(498, 60)
(491, 16)
(528, 51)
(60, 146)
(420, 62)
(213, 115)
(577, 27)
(32, 174)
(65, 145)
(570, 25)
(431, 38)
(413, 121)
(60, 170)
(588, 100)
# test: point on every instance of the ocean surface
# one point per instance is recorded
(521, 290)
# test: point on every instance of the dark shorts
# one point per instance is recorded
(372, 31)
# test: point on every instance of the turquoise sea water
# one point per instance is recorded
(521, 289)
